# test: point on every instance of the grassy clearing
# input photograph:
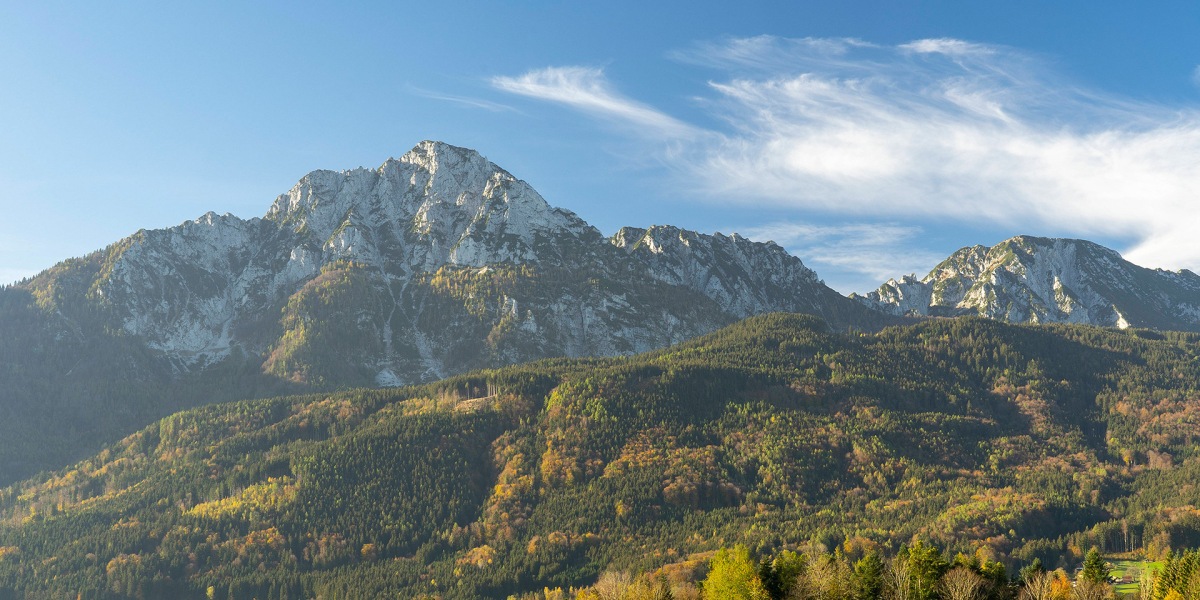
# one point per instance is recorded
(1133, 568)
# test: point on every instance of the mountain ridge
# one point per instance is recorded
(434, 207)
(1029, 279)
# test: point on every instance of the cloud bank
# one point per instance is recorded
(936, 128)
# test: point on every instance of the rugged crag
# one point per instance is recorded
(1040, 280)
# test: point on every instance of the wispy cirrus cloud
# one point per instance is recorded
(973, 133)
(946, 46)
(588, 90)
(463, 100)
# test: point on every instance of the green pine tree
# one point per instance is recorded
(1095, 570)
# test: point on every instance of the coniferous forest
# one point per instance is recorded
(950, 459)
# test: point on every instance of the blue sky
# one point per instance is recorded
(869, 138)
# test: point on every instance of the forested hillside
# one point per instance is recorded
(973, 436)
(70, 379)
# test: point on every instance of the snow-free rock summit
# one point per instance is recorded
(440, 262)
(1029, 279)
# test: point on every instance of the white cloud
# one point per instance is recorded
(463, 100)
(947, 46)
(859, 255)
(768, 53)
(588, 90)
(942, 128)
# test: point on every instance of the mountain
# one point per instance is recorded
(435, 263)
(1043, 280)
(994, 440)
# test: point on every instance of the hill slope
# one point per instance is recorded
(1030, 441)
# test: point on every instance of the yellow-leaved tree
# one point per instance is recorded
(733, 575)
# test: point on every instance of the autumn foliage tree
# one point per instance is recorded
(733, 575)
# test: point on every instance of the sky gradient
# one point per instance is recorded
(871, 139)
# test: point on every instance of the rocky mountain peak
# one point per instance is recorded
(432, 173)
(1029, 279)
(741, 273)
(448, 204)
(440, 224)
(444, 164)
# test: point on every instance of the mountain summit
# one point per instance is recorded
(227, 279)
(435, 263)
(444, 204)
(1029, 279)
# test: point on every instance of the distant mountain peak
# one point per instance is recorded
(1030, 279)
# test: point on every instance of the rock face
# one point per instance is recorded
(1041, 280)
(432, 264)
